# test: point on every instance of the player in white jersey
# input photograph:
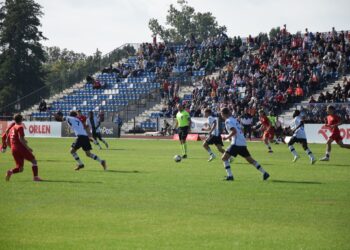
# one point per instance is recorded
(214, 135)
(94, 124)
(238, 145)
(82, 140)
(299, 136)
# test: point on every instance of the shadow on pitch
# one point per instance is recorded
(115, 149)
(73, 182)
(118, 171)
(297, 182)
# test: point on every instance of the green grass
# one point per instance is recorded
(147, 201)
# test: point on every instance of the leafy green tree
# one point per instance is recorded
(274, 32)
(185, 23)
(21, 52)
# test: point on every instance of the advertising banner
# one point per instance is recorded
(318, 133)
(42, 129)
(108, 130)
(197, 124)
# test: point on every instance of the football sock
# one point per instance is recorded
(185, 148)
(328, 154)
(17, 170)
(209, 151)
(309, 153)
(259, 167)
(76, 157)
(268, 146)
(95, 157)
(292, 150)
(182, 149)
(35, 170)
(228, 168)
(104, 142)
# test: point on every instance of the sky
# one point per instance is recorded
(85, 25)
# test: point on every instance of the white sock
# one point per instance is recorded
(258, 167)
(95, 157)
(292, 150)
(309, 153)
(76, 157)
(228, 168)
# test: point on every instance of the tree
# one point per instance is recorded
(21, 52)
(185, 23)
(274, 32)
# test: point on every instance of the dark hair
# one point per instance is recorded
(18, 118)
(79, 111)
(262, 111)
(331, 107)
(296, 113)
(225, 111)
(91, 113)
(207, 111)
(73, 113)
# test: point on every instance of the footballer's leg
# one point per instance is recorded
(94, 136)
(292, 149)
(328, 150)
(225, 158)
(258, 167)
(35, 170)
(342, 145)
(212, 156)
(221, 150)
(96, 158)
(308, 152)
(101, 139)
(19, 160)
(266, 141)
(80, 165)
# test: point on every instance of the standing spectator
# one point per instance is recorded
(119, 122)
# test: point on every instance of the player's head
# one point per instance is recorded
(262, 112)
(18, 118)
(73, 113)
(207, 112)
(296, 113)
(79, 112)
(91, 114)
(180, 107)
(330, 109)
(225, 113)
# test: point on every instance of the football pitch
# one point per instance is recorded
(148, 201)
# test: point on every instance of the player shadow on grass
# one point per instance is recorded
(118, 171)
(74, 182)
(297, 182)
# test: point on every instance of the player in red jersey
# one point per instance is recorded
(4, 137)
(20, 150)
(268, 130)
(333, 121)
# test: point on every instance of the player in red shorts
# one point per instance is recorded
(4, 137)
(333, 121)
(267, 128)
(20, 150)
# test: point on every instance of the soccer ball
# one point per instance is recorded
(177, 158)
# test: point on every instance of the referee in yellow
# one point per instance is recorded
(183, 123)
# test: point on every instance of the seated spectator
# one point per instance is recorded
(42, 106)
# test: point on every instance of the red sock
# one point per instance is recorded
(35, 170)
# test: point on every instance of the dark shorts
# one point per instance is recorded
(297, 140)
(216, 140)
(183, 132)
(96, 135)
(82, 141)
(238, 150)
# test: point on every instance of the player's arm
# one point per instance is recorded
(189, 122)
(258, 125)
(213, 127)
(232, 133)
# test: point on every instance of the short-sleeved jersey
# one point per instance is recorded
(300, 132)
(183, 118)
(211, 121)
(76, 125)
(15, 133)
(238, 139)
(333, 120)
(94, 124)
